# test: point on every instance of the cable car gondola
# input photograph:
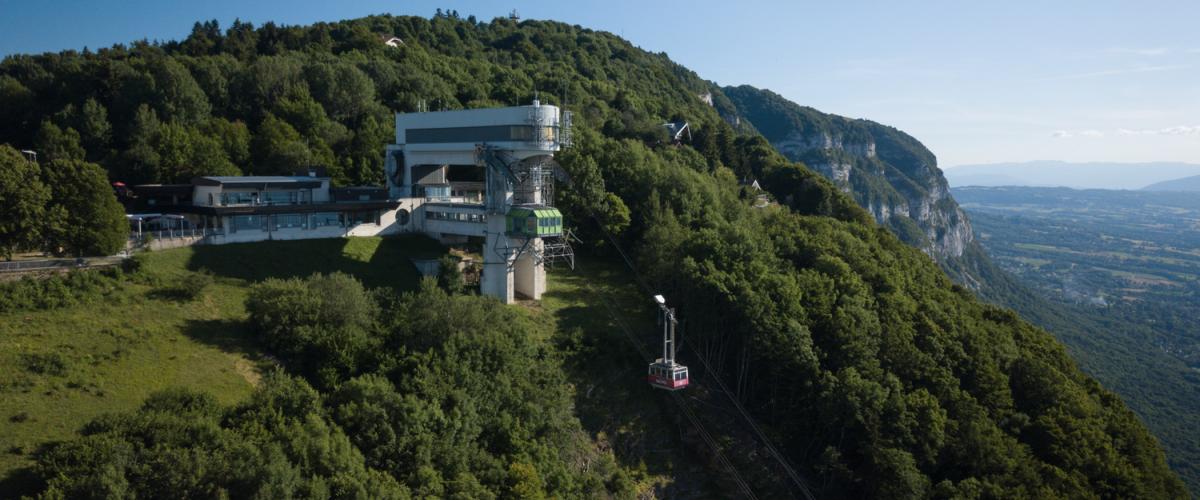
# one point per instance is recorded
(664, 372)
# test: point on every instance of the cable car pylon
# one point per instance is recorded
(664, 372)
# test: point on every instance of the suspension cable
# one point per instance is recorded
(704, 435)
(771, 449)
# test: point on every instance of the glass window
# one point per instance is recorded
(246, 222)
(370, 217)
(290, 197)
(326, 219)
(473, 134)
(289, 221)
(238, 198)
(437, 191)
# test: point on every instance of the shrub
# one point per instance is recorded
(45, 363)
(61, 290)
(192, 286)
(450, 277)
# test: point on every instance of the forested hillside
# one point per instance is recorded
(887, 171)
(873, 372)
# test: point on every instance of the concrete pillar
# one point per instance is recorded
(529, 273)
(497, 279)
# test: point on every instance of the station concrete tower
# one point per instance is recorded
(490, 174)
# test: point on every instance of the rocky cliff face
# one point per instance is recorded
(888, 172)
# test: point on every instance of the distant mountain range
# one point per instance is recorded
(1191, 183)
(1091, 175)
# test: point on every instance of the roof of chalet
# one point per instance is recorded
(678, 129)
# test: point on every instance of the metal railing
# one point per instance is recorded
(168, 234)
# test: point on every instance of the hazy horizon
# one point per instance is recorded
(1076, 175)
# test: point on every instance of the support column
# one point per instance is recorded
(530, 273)
(497, 279)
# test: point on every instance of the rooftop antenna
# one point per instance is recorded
(513, 16)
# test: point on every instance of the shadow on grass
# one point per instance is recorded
(374, 261)
(20, 483)
(612, 397)
(228, 335)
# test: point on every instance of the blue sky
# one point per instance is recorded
(1006, 81)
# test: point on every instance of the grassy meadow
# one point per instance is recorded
(61, 367)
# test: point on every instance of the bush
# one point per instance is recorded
(60, 290)
(320, 326)
(45, 363)
(192, 286)
(450, 277)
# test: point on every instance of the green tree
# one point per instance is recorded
(23, 198)
(341, 88)
(185, 152)
(278, 148)
(320, 326)
(141, 161)
(53, 143)
(234, 138)
(17, 102)
(179, 98)
(450, 277)
(94, 129)
(87, 218)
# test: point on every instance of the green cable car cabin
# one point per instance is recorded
(534, 222)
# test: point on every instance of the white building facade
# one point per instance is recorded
(482, 176)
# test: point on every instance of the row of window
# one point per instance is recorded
(455, 216)
(301, 221)
(262, 198)
(488, 133)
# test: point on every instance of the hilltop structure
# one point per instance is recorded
(480, 175)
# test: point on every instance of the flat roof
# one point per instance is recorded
(162, 188)
(259, 180)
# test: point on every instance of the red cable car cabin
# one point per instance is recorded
(667, 375)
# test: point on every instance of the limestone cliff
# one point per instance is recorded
(888, 172)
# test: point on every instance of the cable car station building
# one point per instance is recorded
(457, 176)
(487, 173)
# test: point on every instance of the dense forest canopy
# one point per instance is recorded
(895, 177)
(875, 374)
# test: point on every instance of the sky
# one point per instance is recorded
(977, 82)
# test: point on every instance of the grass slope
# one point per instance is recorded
(61, 368)
(141, 339)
